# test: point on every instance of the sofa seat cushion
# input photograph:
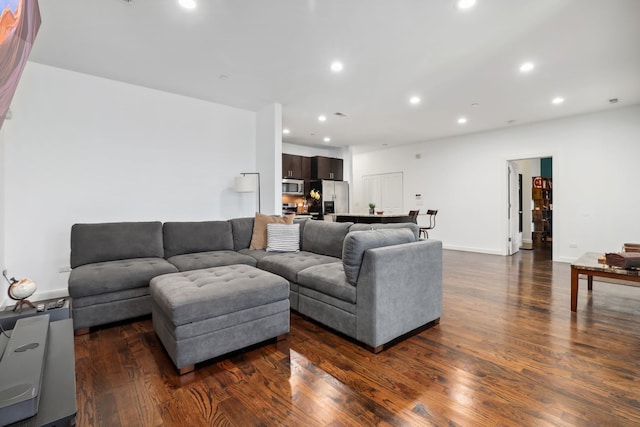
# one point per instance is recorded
(192, 296)
(256, 254)
(199, 260)
(111, 276)
(328, 279)
(110, 297)
(289, 264)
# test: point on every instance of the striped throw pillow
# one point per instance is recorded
(283, 237)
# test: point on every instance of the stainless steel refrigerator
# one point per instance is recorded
(334, 196)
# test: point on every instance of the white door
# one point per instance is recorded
(385, 191)
(514, 209)
(391, 193)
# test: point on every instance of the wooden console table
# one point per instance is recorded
(588, 265)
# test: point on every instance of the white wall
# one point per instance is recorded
(310, 151)
(85, 149)
(595, 162)
(269, 157)
(3, 286)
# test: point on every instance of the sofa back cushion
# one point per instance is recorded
(324, 238)
(356, 243)
(409, 225)
(242, 229)
(102, 242)
(191, 237)
(302, 222)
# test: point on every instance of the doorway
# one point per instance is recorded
(530, 206)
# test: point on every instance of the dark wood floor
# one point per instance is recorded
(508, 351)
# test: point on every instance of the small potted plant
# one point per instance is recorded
(372, 208)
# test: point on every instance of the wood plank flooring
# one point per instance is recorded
(507, 352)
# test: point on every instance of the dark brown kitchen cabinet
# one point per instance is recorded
(326, 168)
(306, 173)
(292, 166)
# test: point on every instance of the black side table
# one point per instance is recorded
(57, 405)
(8, 317)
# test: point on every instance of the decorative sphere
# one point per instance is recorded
(22, 289)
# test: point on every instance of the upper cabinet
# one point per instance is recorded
(292, 166)
(326, 168)
(311, 168)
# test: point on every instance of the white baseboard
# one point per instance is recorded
(477, 250)
(526, 244)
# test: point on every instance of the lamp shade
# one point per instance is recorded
(245, 184)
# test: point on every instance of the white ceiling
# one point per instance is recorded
(587, 51)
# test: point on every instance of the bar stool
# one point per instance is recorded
(432, 223)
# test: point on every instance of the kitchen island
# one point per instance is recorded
(372, 219)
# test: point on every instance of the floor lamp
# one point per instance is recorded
(247, 184)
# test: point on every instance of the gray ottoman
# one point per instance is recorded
(201, 314)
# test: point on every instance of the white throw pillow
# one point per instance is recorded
(283, 237)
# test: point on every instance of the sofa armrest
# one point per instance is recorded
(399, 289)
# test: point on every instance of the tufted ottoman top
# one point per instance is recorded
(190, 296)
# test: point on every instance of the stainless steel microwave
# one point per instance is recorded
(293, 187)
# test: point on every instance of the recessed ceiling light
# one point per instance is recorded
(322, 118)
(286, 131)
(415, 100)
(465, 4)
(187, 4)
(327, 139)
(462, 120)
(557, 100)
(526, 67)
(337, 66)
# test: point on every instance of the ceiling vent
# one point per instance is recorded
(339, 114)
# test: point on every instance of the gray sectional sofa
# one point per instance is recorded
(373, 283)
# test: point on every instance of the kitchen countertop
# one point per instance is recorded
(389, 215)
(372, 218)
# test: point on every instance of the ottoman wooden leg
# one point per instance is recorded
(82, 331)
(186, 369)
(281, 337)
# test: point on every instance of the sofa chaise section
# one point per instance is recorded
(112, 264)
(387, 285)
